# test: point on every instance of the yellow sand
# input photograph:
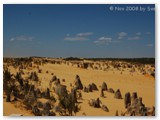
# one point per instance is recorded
(126, 82)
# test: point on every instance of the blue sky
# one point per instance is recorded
(78, 31)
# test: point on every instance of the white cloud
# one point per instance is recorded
(138, 33)
(12, 39)
(68, 34)
(149, 45)
(103, 40)
(148, 33)
(75, 38)
(21, 38)
(121, 35)
(116, 41)
(78, 37)
(134, 38)
(85, 34)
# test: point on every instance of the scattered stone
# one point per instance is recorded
(110, 90)
(153, 111)
(79, 95)
(8, 98)
(57, 82)
(133, 113)
(95, 103)
(102, 93)
(118, 94)
(104, 86)
(85, 89)
(78, 83)
(36, 111)
(74, 95)
(47, 93)
(63, 80)
(94, 87)
(105, 108)
(57, 108)
(122, 113)
(89, 88)
(33, 76)
(84, 114)
(54, 78)
(134, 97)
(127, 100)
(137, 108)
(39, 70)
(38, 93)
(61, 90)
(51, 113)
(116, 113)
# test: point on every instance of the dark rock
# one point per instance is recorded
(74, 95)
(127, 99)
(78, 83)
(85, 89)
(95, 103)
(47, 93)
(33, 76)
(47, 106)
(38, 93)
(153, 111)
(134, 96)
(89, 88)
(94, 87)
(116, 113)
(110, 90)
(63, 80)
(57, 82)
(54, 78)
(51, 113)
(104, 86)
(8, 98)
(133, 113)
(36, 111)
(102, 93)
(39, 104)
(105, 108)
(61, 91)
(118, 94)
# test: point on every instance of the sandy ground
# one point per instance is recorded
(144, 85)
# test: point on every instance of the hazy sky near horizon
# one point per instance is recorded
(78, 30)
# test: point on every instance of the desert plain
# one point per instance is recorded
(75, 87)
